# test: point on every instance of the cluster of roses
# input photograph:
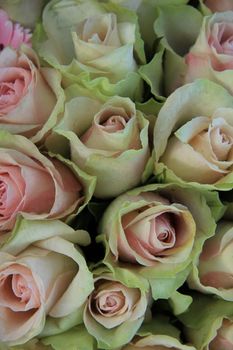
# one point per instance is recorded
(116, 135)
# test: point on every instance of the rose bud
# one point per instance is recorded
(30, 97)
(111, 308)
(94, 37)
(211, 56)
(61, 192)
(214, 271)
(155, 232)
(110, 141)
(196, 122)
(41, 275)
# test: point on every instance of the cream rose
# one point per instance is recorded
(96, 44)
(214, 272)
(196, 122)
(110, 141)
(111, 308)
(40, 276)
(23, 167)
(30, 96)
(100, 42)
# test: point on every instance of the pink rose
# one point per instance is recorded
(219, 6)
(28, 93)
(211, 56)
(12, 34)
(40, 275)
(149, 230)
(32, 184)
(224, 337)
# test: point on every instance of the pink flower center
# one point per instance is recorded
(18, 290)
(114, 123)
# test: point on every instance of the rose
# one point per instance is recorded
(219, 6)
(211, 56)
(27, 12)
(37, 186)
(100, 43)
(12, 34)
(155, 231)
(110, 141)
(94, 38)
(113, 307)
(41, 275)
(214, 272)
(208, 323)
(196, 122)
(31, 97)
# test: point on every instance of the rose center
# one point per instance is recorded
(110, 302)
(163, 233)
(114, 123)
(10, 92)
(94, 30)
(3, 196)
(20, 288)
(221, 143)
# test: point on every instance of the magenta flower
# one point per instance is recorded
(12, 34)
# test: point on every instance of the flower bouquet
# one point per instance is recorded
(116, 175)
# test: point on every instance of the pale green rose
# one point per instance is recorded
(183, 56)
(112, 308)
(107, 140)
(193, 137)
(63, 189)
(147, 12)
(209, 323)
(157, 335)
(95, 44)
(32, 97)
(26, 12)
(166, 70)
(155, 232)
(214, 272)
(44, 280)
